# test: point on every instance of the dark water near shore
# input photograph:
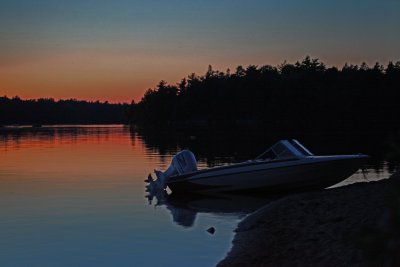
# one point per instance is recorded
(75, 196)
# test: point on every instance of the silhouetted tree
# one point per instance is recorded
(301, 96)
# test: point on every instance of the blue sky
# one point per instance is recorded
(117, 49)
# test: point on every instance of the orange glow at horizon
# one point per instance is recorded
(85, 76)
(97, 78)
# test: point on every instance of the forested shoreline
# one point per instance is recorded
(15, 111)
(306, 95)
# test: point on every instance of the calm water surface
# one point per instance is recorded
(75, 196)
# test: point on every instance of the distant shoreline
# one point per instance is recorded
(47, 111)
(11, 126)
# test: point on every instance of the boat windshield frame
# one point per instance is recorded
(285, 149)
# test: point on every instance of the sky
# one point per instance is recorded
(115, 50)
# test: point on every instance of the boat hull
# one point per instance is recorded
(284, 176)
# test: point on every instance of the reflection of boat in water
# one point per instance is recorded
(219, 203)
(184, 208)
(286, 166)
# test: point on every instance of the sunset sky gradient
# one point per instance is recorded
(115, 50)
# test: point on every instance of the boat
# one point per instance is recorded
(285, 166)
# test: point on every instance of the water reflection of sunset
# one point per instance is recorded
(75, 195)
(60, 150)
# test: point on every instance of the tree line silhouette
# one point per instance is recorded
(48, 111)
(306, 95)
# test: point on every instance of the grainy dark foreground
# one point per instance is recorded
(355, 225)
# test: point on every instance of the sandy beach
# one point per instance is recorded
(354, 225)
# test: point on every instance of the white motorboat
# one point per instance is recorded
(286, 166)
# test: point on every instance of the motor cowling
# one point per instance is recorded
(183, 162)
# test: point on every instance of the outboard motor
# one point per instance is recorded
(183, 162)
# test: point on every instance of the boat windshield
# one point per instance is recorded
(285, 149)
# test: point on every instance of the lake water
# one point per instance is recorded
(75, 195)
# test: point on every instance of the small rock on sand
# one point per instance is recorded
(211, 230)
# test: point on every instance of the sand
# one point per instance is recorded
(355, 225)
